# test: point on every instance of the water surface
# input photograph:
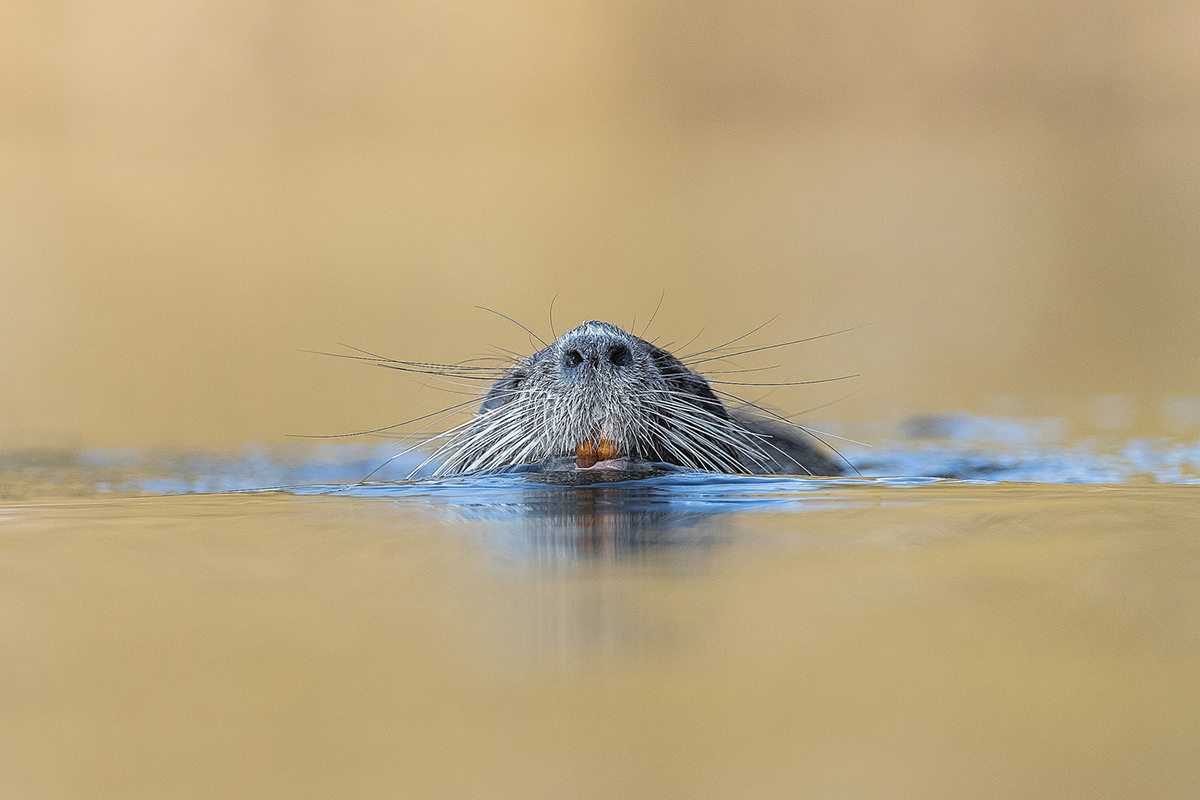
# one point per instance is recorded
(686, 636)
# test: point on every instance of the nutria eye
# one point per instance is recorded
(572, 358)
(620, 356)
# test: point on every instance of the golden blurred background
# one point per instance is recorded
(1000, 197)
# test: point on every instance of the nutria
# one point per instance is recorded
(599, 398)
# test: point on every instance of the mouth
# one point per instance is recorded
(599, 454)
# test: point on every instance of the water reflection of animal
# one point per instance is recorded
(611, 520)
(599, 398)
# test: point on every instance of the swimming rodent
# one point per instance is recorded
(599, 398)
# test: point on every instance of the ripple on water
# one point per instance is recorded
(326, 468)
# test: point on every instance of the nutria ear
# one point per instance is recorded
(503, 390)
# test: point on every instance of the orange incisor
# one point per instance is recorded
(589, 452)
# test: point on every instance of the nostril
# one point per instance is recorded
(619, 355)
(572, 358)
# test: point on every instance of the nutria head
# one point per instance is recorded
(606, 398)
